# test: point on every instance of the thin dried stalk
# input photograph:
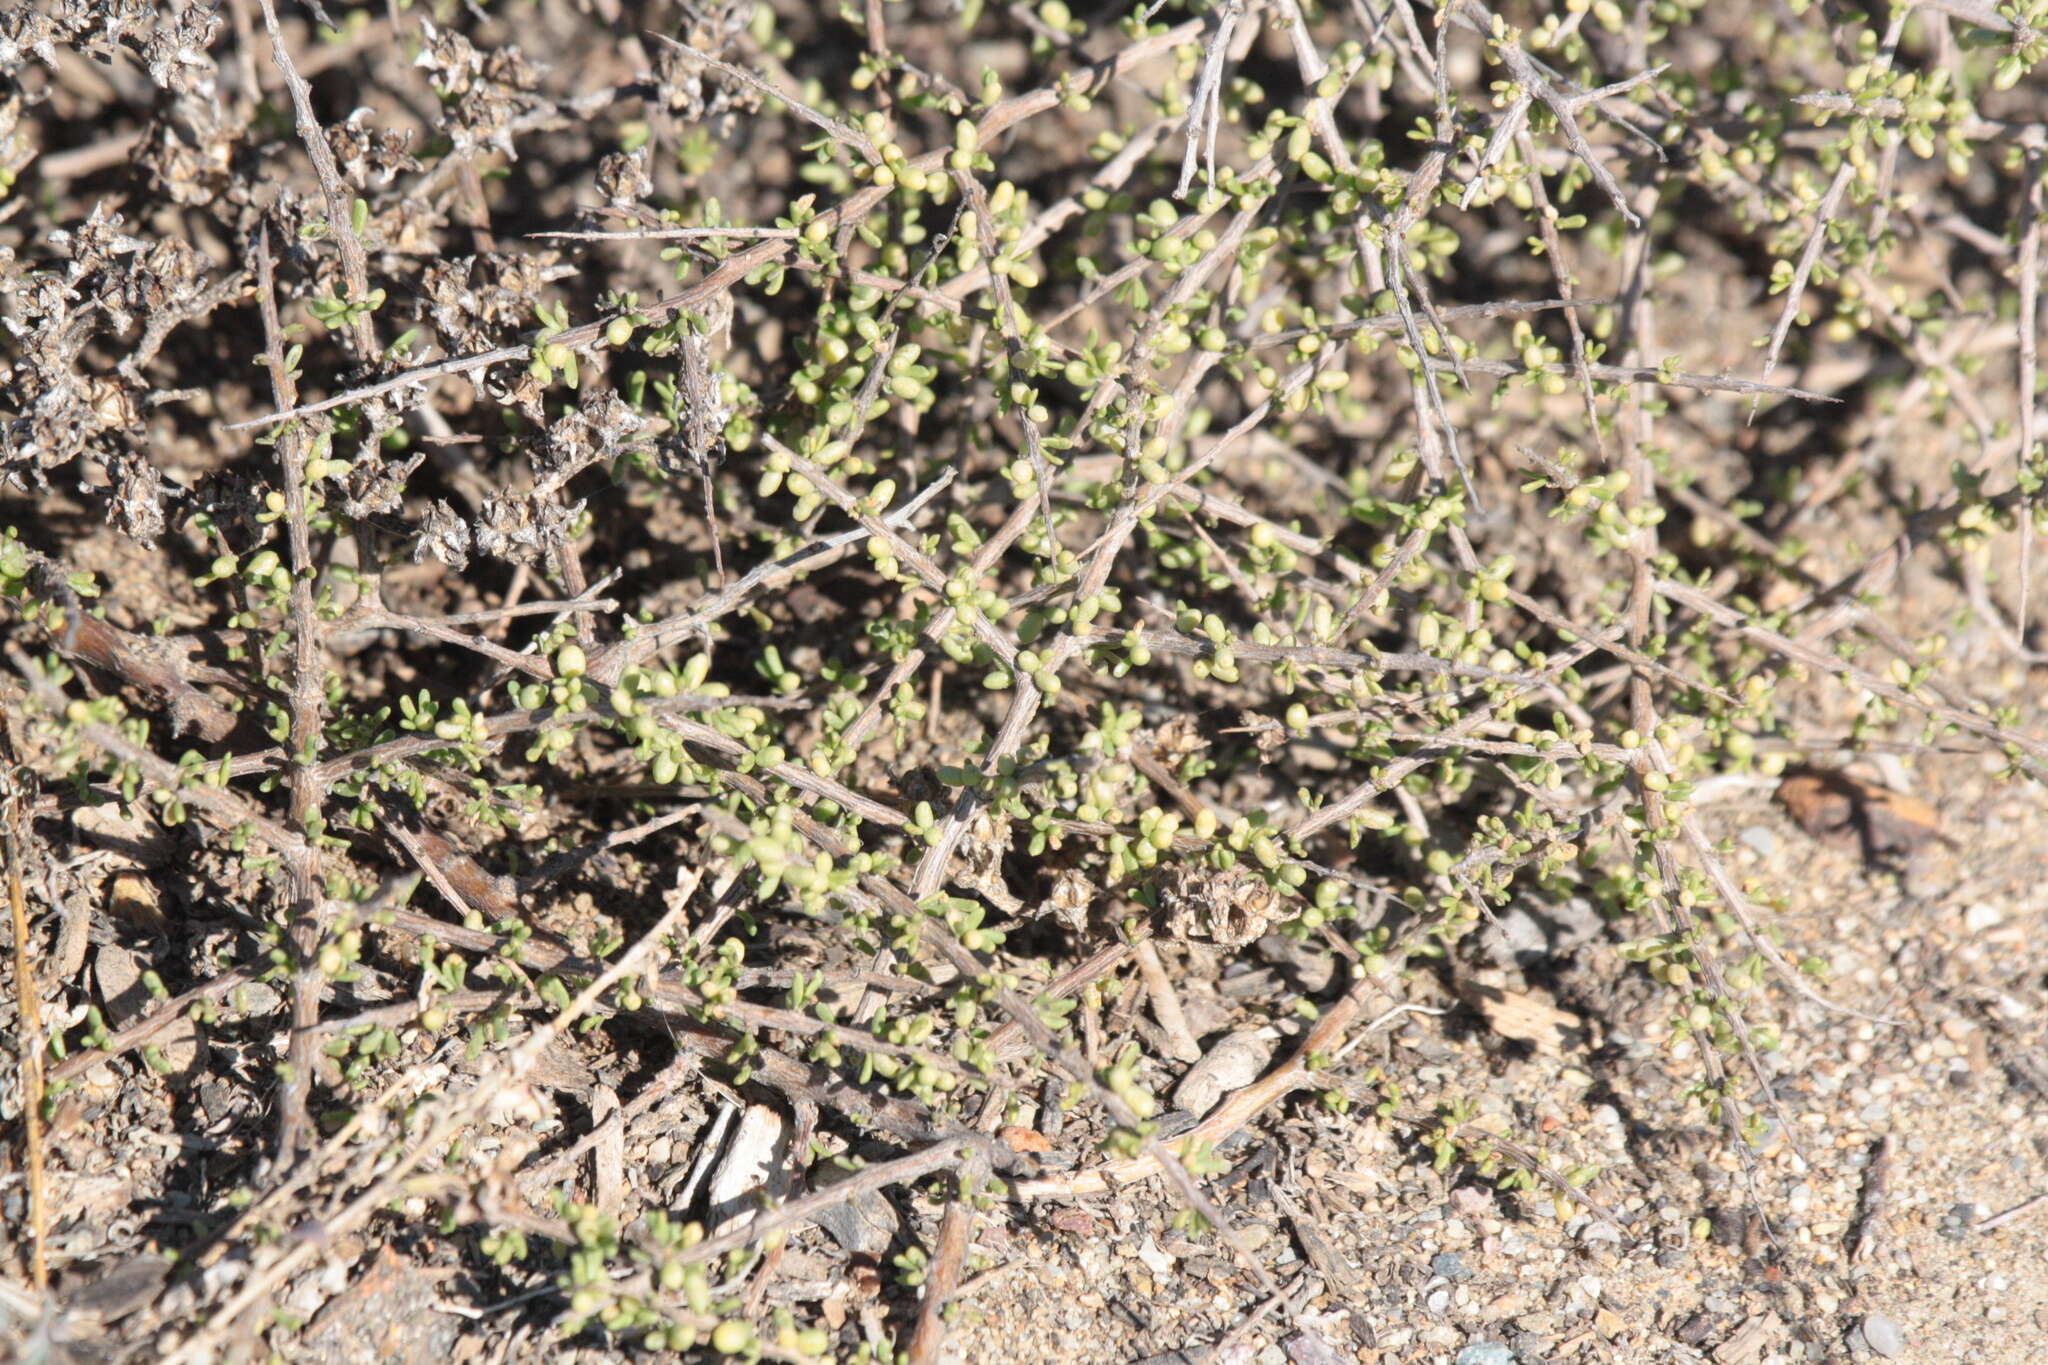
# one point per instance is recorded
(28, 1037)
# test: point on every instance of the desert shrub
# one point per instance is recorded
(804, 542)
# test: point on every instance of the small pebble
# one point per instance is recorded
(1486, 1353)
(1957, 1222)
(864, 1224)
(1157, 1261)
(1451, 1266)
(1883, 1336)
(1981, 916)
(1760, 839)
(1307, 1349)
(256, 999)
(1526, 933)
(1232, 1064)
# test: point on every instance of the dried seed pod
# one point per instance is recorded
(1228, 906)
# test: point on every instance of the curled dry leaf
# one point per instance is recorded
(131, 834)
(135, 899)
(1022, 1139)
(1837, 808)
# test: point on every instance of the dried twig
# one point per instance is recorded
(1870, 1233)
(949, 1248)
(29, 1040)
(171, 1011)
(2013, 1214)
(2029, 269)
(1205, 106)
(355, 263)
(1166, 1003)
(1641, 374)
(305, 701)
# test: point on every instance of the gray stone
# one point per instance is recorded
(1883, 1336)
(256, 999)
(1982, 916)
(1486, 1353)
(866, 1223)
(1527, 933)
(1308, 1349)
(1232, 1064)
(1451, 1266)
(1311, 966)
